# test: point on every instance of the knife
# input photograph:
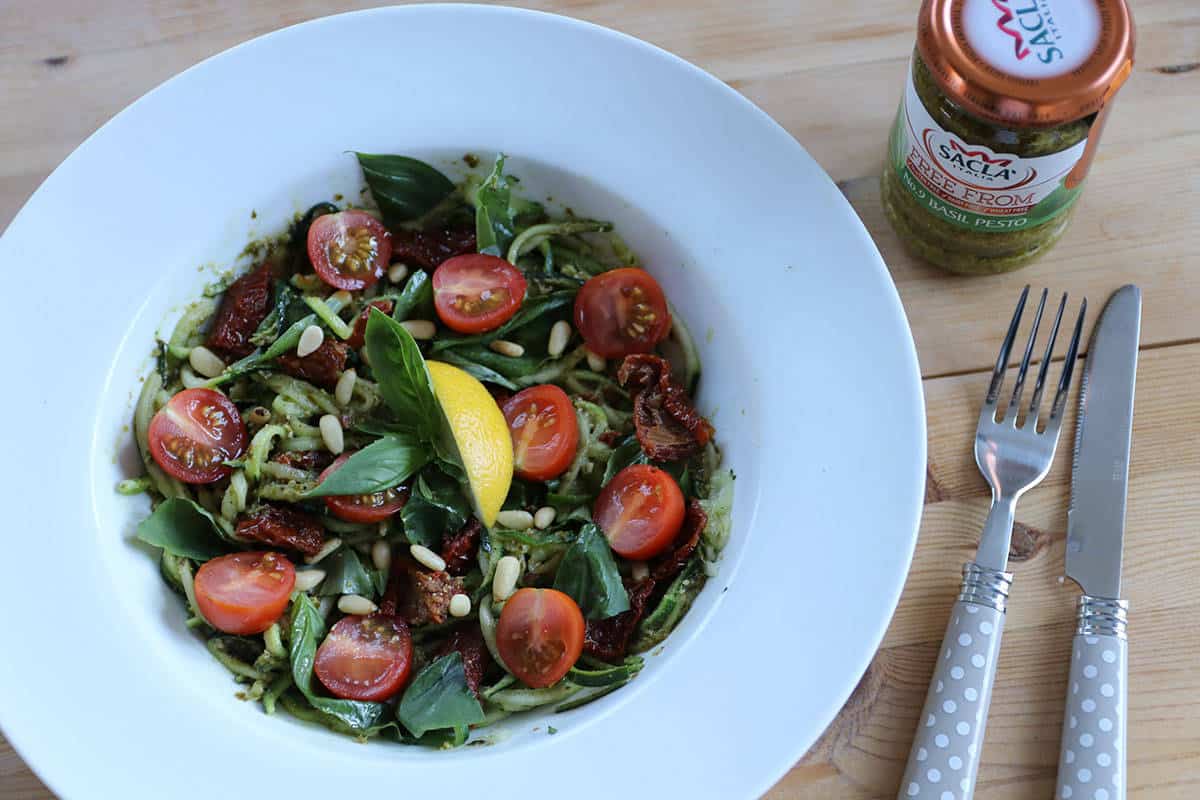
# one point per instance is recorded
(1091, 761)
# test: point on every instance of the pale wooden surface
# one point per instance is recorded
(831, 74)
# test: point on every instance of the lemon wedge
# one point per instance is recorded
(481, 435)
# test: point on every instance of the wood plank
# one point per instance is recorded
(863, 754)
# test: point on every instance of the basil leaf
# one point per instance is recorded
(437, 506)
(403, 379)
(183, 528)
(404, 188)
(493, 219)
(625, 454)
(589, 575)
(345, 574)
(439, 698)
(477, 371)
(308, 629)
(416, 299)
(384, 464)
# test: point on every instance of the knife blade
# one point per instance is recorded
(1100, 462)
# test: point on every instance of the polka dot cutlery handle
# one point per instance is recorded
(1091, 760)
(944, 759)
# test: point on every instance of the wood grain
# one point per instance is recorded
(831, 74)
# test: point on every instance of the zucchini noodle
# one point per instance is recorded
(142, 413)
(534, 235)
(260, 448)
(186, 333)
(305, 397)
(273, 469)
(233, 502)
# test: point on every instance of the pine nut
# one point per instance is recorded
(206, 362)
(504, 583)
(427, 558)
(329, 546)
(420, 328)
(397, 272)
(560, 334)
(356, 604)
(640, 571)
(544, 518)
(308, 579)
(344, 389)
(331, 434)
(339, 299)
(515, 520)
(381, 555)
(460, 605)
(596, 363)
(506, 348)
(310, 340)
(190, 379)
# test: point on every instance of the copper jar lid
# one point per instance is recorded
(1027, 63)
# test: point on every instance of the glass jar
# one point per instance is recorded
(1002, 112)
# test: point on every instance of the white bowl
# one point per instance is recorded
(810, 377)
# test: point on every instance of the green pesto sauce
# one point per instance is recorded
(947, 245)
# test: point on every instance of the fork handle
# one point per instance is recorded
(944, 759)
(1091, 760)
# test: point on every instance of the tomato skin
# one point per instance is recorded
(349, 250)
(476, 292)
(365, 658)
(640, 511)
(544, 431)
(621, 312)
(194, 433)
(363, 508)
(243, 593)
(540, 635)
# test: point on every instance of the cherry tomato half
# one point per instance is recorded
(195, 433)
(365, 658)
(540, 635)
(363, 507)
(622, 311)
(544, 431)
(476, 292)
(349, 249)
(640, 511)
(243, 593)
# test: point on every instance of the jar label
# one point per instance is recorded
(971, 185)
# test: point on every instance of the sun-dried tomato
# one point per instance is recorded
(243, 308)
(311, 460)
(467, 641)
(419, 596)
(322, 367)
(459, 548)
(667, 424)
(668, 565)
(284, 527)
(429, 248)
(608, 639)
(358, 336)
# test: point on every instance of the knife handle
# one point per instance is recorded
(945, 752)
(1091, 760)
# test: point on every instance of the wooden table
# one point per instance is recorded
(832, 74)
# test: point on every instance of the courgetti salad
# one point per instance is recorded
(431, 461)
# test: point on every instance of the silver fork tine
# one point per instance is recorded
(1014, 405)
(1005, 351)
(1064, 380)
(1036, 403)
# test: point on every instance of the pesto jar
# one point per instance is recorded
(1000, 119)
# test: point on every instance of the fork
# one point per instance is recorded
(1013, 456)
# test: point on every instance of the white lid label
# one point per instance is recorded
(1032, 38)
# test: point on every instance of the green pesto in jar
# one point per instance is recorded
(952, 186)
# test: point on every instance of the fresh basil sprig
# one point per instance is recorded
(183, 528)
(439, 698)
(404, 188)
(589, 575)
(384, 464)
(494, 228)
